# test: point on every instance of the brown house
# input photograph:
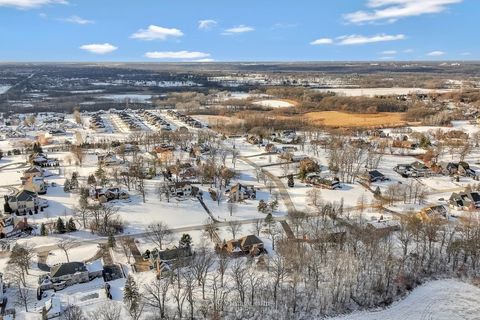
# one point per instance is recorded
(248, 245)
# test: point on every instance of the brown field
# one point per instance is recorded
(343, 119)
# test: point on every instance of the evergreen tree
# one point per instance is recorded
(66, 186)
(131, 294)
(6, 207)
(101, 176)
(111, 241)
(186, 240)
(60, 226)
(71, 226)
(43, 230)
(291, 182)
(91, 180)
(74, 181)
(37, 148)
(377, 193)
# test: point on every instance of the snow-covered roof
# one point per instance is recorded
(95, 266)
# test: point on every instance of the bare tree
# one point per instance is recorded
(125, 245)
(234, 227)
(156, 295)
(73, 312)
(107, 311)
(257, 227)
(232, 207)
(104, 219)
(78, 153)
(65, 245)
(159, 234)
(23, 296)
(201, 264)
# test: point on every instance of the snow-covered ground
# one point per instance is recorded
(274, 103)
(436, 300)
(4, 88)
(131, 97)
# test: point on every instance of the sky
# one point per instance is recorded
(234, 30)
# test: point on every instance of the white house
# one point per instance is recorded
(23, 202)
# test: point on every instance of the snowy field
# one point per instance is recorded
(274, 103)
(131, 97)
(436, 300)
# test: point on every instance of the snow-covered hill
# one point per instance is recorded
(439, 300)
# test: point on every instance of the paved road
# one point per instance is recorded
(102, 240)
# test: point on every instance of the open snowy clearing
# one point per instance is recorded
(274, 103)
(442, 299)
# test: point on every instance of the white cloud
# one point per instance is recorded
(238, 29)
(465, 53)
(435, 53)
(359, 39)
(177, 55)
(321, 41)
(204, 60)
(408, 50)
(392, 10)
(77, 20)
(29, 4)
(206, 24)
(387, 58)
(99, 48)
(154, 32)
(389, 52)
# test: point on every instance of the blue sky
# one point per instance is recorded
(246, 30)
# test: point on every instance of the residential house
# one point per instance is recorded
(52, 308)
(240, 192)
(23, 202)
(11, 227)
(108, 160)
(108, 194)
(248, 245)
(66, 274)
(323, 182)
(383, 226)
(161, 260)
(35, 184)
(448, 168)
(433, 211)
(373, 176)
(182, 189)
(33, 172)
(464, 200)
(415, 169)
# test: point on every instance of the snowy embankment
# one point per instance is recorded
(441, 299)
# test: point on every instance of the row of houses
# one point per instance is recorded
(417, 169)
(185, 119)
(96, 123)
(156, 121)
